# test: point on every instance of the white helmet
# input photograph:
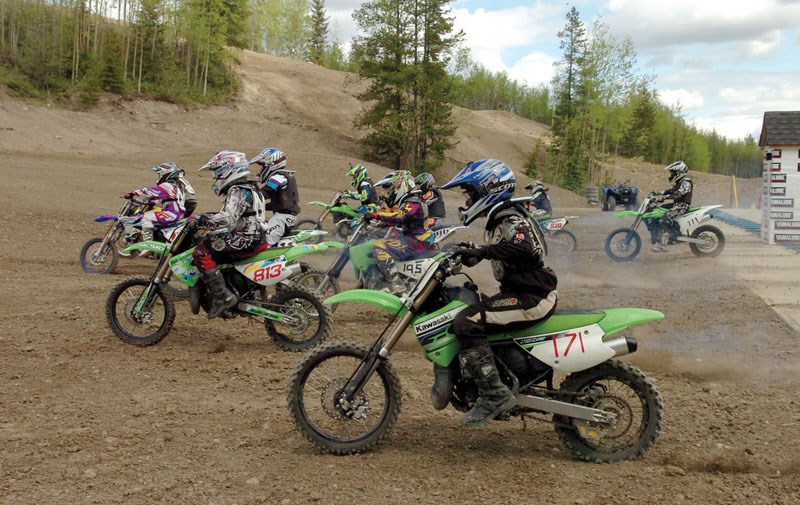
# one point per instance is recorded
(677, 171)
(229, 167)
(398, 184)
(271, 160)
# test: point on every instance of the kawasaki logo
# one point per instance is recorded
(436, 321)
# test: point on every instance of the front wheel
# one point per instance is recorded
(319, 410)
(97, 258)
(713, 241)
(563, 242)
(306, 320)
(619, 388)
(623, 244)
(138, 313)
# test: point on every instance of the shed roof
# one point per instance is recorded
(780, 128)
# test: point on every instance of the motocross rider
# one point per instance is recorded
(236, 231)
(364, 190)
(407, 212)
(432, 197)
(541, 202)
(681, 195)
(172, 173)
(280, 188)
(165, 199)
(527, 287)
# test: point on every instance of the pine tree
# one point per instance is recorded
(318, 43)
(404, 53)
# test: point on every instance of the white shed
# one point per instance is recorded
(780, 214)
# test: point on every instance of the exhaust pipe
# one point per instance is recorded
(622, 345)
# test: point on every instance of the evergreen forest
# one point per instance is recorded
(598, 105)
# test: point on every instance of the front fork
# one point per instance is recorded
(383, 347)
(160, 276)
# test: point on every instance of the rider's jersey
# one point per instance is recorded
(365, 193)
(281, 189)
(410, 216)
(189, 195)
(517, 258)
(435, 203)
(238, 213)
(681, 192)
(166, 196)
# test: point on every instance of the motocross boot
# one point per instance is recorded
(395, 284)
(147, 234)
(223, 297)
(494, 397)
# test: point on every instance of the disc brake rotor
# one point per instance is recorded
(144, 317)
(330, 402)
(597, 431)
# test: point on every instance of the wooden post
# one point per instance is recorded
(734, 201)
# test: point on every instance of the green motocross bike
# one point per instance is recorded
(341, 213)
(140, 312)
(344, 397)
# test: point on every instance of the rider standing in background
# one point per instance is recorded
(280, 187)
(364, 190)
(236, 230)
(527, 287)
(432, 198)
(407, 212)
(165, 199)
(541, 201)
(681, 195)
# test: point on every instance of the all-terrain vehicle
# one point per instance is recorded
(620, 194)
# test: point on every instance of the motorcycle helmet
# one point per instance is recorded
(535, 187)
(677, 171)
(228, 167)
(358, 173)
(398, 185)
(425, 181)
(271, 160)
(168, 171)
(486, 183)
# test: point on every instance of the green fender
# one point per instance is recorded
(618, 319)
(301, 250)
(626, 213)
(147, 245)
(386, 301)
(332, 244)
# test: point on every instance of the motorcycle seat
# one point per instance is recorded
(559, 321)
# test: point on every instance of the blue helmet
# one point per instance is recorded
(486, 183)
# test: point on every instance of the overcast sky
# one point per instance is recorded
(725, 62)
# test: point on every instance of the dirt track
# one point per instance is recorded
(202, 418)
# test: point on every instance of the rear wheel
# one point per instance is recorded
(313, 280)
(136, 319)
(563, 242)
(713, 241)
(97, 258)
(307, 321)
(618, 388)
(318, 408)
(623, 244)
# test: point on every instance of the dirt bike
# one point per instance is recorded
(560, 240)
(344, 397)
(624, 244)
(341, 213)
(139, 312)
(358, 250)
(100, 255)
